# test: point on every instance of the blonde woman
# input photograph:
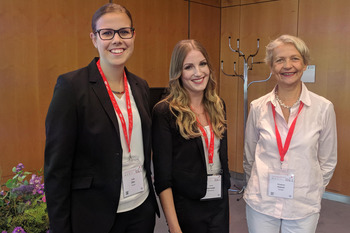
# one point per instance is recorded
(190, 146)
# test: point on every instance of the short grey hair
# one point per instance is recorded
(298, 43)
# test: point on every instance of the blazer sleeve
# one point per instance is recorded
(224, 156)
(61, 133)
(162, 147)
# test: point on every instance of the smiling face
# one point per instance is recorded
(195, 73)
(117, 51)
(287, 65)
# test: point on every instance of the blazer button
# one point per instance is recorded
(117, 155)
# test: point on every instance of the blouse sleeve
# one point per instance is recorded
(250, 142)
(327, 150)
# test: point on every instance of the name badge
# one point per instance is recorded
(281, 185)
(133, 181)
(213, 187)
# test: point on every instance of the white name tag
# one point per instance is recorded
(133, 181)
(281, 185)
(213, 187)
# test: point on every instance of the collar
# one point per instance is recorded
(304, 96)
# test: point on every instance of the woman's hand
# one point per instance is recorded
(167, 201)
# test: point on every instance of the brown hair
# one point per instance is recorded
(109, 8)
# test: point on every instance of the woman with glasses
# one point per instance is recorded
(98, 139)
(190, 146)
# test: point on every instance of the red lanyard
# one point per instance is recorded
(283, 149)
(211, 146)
(116, 107)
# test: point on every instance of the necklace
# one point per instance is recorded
(282, 104)
(118, 92)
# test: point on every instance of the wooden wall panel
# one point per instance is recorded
(205, 27)
(215, 3)
(230, 3)
(246, 2)
(158, 29)
(230, 20)
(16, 90)
(37, 44)
(325, 28)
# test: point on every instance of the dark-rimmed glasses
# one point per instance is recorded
(108, 34)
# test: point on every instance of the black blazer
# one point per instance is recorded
(179, 163)
(83, 153)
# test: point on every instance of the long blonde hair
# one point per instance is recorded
(178, 98)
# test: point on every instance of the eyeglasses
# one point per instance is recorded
(108, 34)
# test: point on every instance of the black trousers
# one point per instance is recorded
(203, 216)
(141, 219)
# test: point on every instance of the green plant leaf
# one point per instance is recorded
(10, 184)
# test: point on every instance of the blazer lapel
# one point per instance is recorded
(141, 97)
(101, 92)
(200, 145)
(137, 91)
(134, 86)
